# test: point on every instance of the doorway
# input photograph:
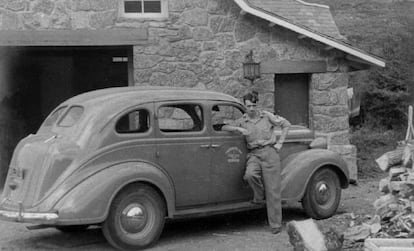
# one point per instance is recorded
(292, 98)
(43, 77)
(36, 79)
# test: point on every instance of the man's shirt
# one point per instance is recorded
(260, 129)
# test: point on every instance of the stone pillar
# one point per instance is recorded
(330, 115)
(349, 154)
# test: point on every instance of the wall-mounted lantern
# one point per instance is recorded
(251, 69)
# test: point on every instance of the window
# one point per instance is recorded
(220, 114)
(180, 118)
(119, 59)
(134, 122)
(54, 116)
(71, 117)
(143, 8)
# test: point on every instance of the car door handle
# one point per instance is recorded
(215, 146)
(205, 146)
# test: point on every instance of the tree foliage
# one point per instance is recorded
(386, 96)
(385, 28)
(390, 90)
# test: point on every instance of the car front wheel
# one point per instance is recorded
(323, 194)
(136, 218)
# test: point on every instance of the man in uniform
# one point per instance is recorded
(263, 162)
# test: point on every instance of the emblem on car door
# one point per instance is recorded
(233, 154)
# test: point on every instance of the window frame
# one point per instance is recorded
(143, 15)
(174, 104)
(48, 122)
(64, 115)
(128, 113)
(236, 106)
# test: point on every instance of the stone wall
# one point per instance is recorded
(329, 112)
(203, 45)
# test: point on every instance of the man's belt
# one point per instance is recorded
(260, 147)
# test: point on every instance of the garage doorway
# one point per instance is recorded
(34, 80)
(43, 77)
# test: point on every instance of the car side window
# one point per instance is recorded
(180, 118)
(221, 114)
(136, 121)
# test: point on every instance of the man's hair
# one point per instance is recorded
(251, 96)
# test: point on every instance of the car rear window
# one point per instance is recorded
(54, 116)
(71, 117)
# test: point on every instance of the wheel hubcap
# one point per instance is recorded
(323, 193)
(134, 218)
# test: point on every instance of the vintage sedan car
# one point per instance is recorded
(129, 158)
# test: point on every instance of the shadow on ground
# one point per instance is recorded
(176, 233)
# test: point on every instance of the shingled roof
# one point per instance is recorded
(314, 16)
(311, 20)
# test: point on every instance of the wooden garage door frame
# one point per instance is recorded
(110, 37)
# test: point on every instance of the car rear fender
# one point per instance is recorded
(299, 168)
(89, 201)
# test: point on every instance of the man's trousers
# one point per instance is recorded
(263, 172)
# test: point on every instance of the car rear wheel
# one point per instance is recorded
(323, 194)
(136, 218)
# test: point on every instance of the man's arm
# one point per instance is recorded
(281, 140)
(231, 128)
(235, 126)
(284, 124)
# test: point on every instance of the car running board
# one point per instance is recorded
(216, 209)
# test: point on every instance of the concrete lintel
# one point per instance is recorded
(288, 66)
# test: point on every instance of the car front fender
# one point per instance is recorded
(89, 201)
(299, 168)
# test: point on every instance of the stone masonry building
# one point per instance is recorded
(53, 49)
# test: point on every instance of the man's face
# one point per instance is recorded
(251, 107)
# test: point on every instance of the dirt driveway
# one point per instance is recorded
(241, 231)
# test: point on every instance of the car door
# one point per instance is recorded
(130, 135)
(183, 150)
(229, 156)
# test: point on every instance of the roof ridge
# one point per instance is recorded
(313, 4)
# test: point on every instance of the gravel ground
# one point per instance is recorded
(356, 206)
(240, 231)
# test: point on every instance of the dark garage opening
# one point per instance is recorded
(292, 97)
(35, 80)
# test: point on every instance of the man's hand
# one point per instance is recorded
(278, 146)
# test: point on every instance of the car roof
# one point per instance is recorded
(117, 97)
